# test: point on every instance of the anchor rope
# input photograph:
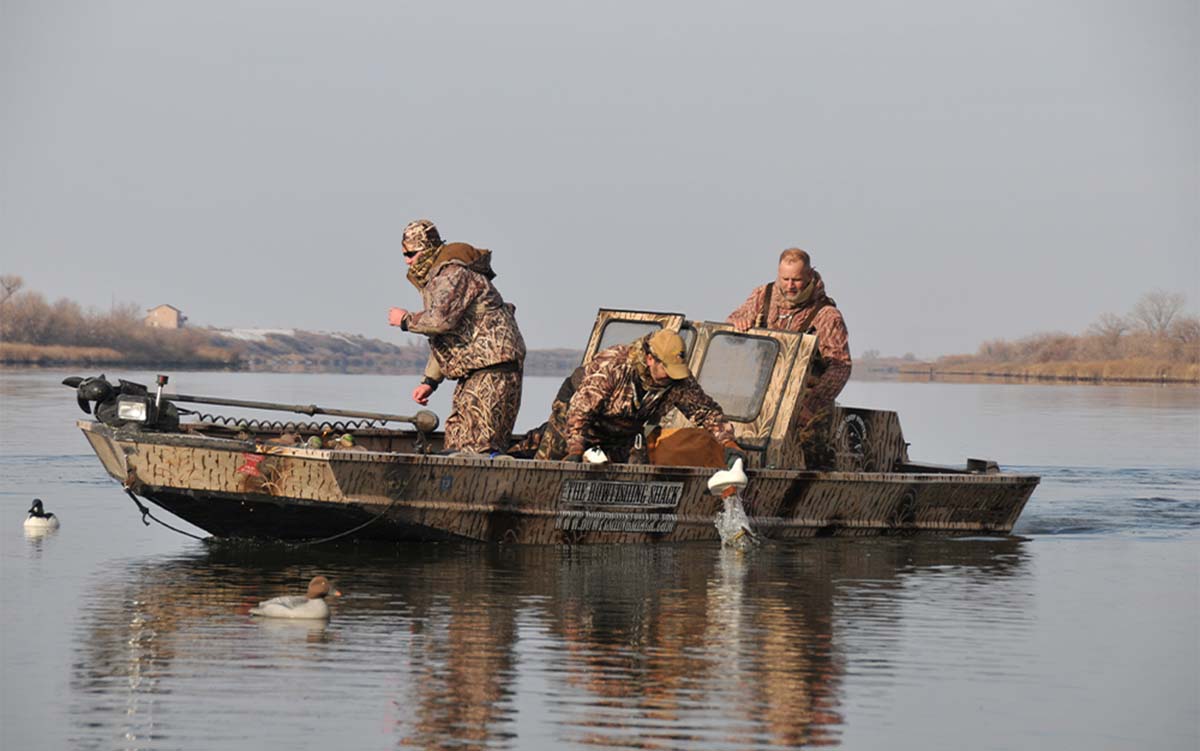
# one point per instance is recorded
(372, 520)
(146, 513)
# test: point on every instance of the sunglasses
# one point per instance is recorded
(411, 253)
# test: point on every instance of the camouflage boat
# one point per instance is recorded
(237, 479)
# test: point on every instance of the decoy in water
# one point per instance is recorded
(732, 523)
(311, 605)
(40, 519)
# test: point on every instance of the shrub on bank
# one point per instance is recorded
(1155, 341)
(34, 331)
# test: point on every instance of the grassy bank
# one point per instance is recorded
(1135, 370)
(548, 362)
(18, 354)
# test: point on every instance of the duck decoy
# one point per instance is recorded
(39, 518)
(311, 605)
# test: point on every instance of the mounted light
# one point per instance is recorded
(133, 408)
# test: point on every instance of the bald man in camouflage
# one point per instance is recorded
(796, 301)
(473, 338)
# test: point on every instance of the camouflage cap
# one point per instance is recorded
(668, 348)
(421, 235)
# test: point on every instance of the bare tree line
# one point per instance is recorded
(33, 330)
(27, 318)
(1157, 328)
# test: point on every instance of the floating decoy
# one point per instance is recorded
(40, 519)
(311, 605)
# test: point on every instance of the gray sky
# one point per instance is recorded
(959, 171)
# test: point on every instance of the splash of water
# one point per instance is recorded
(734, 525)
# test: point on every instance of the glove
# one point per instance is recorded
(733, 452)
(576, 458)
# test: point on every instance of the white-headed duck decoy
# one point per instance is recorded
(311, 605)
(39, 518)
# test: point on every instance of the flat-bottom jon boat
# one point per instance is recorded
(235, 478)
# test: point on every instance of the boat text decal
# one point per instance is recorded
(647, 495)
(645, 506)
(609, 521)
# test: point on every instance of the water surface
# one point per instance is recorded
(1079, 633)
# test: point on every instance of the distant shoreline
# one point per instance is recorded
(978, 376)
(1113, 371)
(547, 362)
(911, 372)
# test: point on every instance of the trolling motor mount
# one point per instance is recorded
(127, 404)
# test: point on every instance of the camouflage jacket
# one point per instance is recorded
(833, 341)
(467, 321)
(611, 405)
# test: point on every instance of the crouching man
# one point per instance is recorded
(624, 389)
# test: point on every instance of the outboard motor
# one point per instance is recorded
(126, 404)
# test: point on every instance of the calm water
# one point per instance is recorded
(1082, 633)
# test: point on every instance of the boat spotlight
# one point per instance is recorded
(133, 408)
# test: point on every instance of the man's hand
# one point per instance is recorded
(396, 317)
(422, 393)
(741, 324)
(733, 452)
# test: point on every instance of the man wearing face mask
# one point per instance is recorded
(626, 387)
(796, 301)
(473, 338)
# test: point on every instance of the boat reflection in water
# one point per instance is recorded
(491, 646)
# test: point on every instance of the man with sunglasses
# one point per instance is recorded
(623, 389)
(796, 301)
(473, 338)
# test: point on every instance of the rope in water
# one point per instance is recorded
(146, 513)
(372, 520)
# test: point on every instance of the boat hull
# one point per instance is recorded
(233, 488)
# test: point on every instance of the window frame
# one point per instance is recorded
(764, 385)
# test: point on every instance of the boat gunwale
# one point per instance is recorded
(631, 471)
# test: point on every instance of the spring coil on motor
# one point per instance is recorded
(279, 426)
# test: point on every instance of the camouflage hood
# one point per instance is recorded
(430, 260)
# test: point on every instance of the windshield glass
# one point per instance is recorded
(735, 372)
(688, 334)
(623, 332)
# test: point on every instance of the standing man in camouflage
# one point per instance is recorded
(796, 301)
(473, 338)
(623, 389)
